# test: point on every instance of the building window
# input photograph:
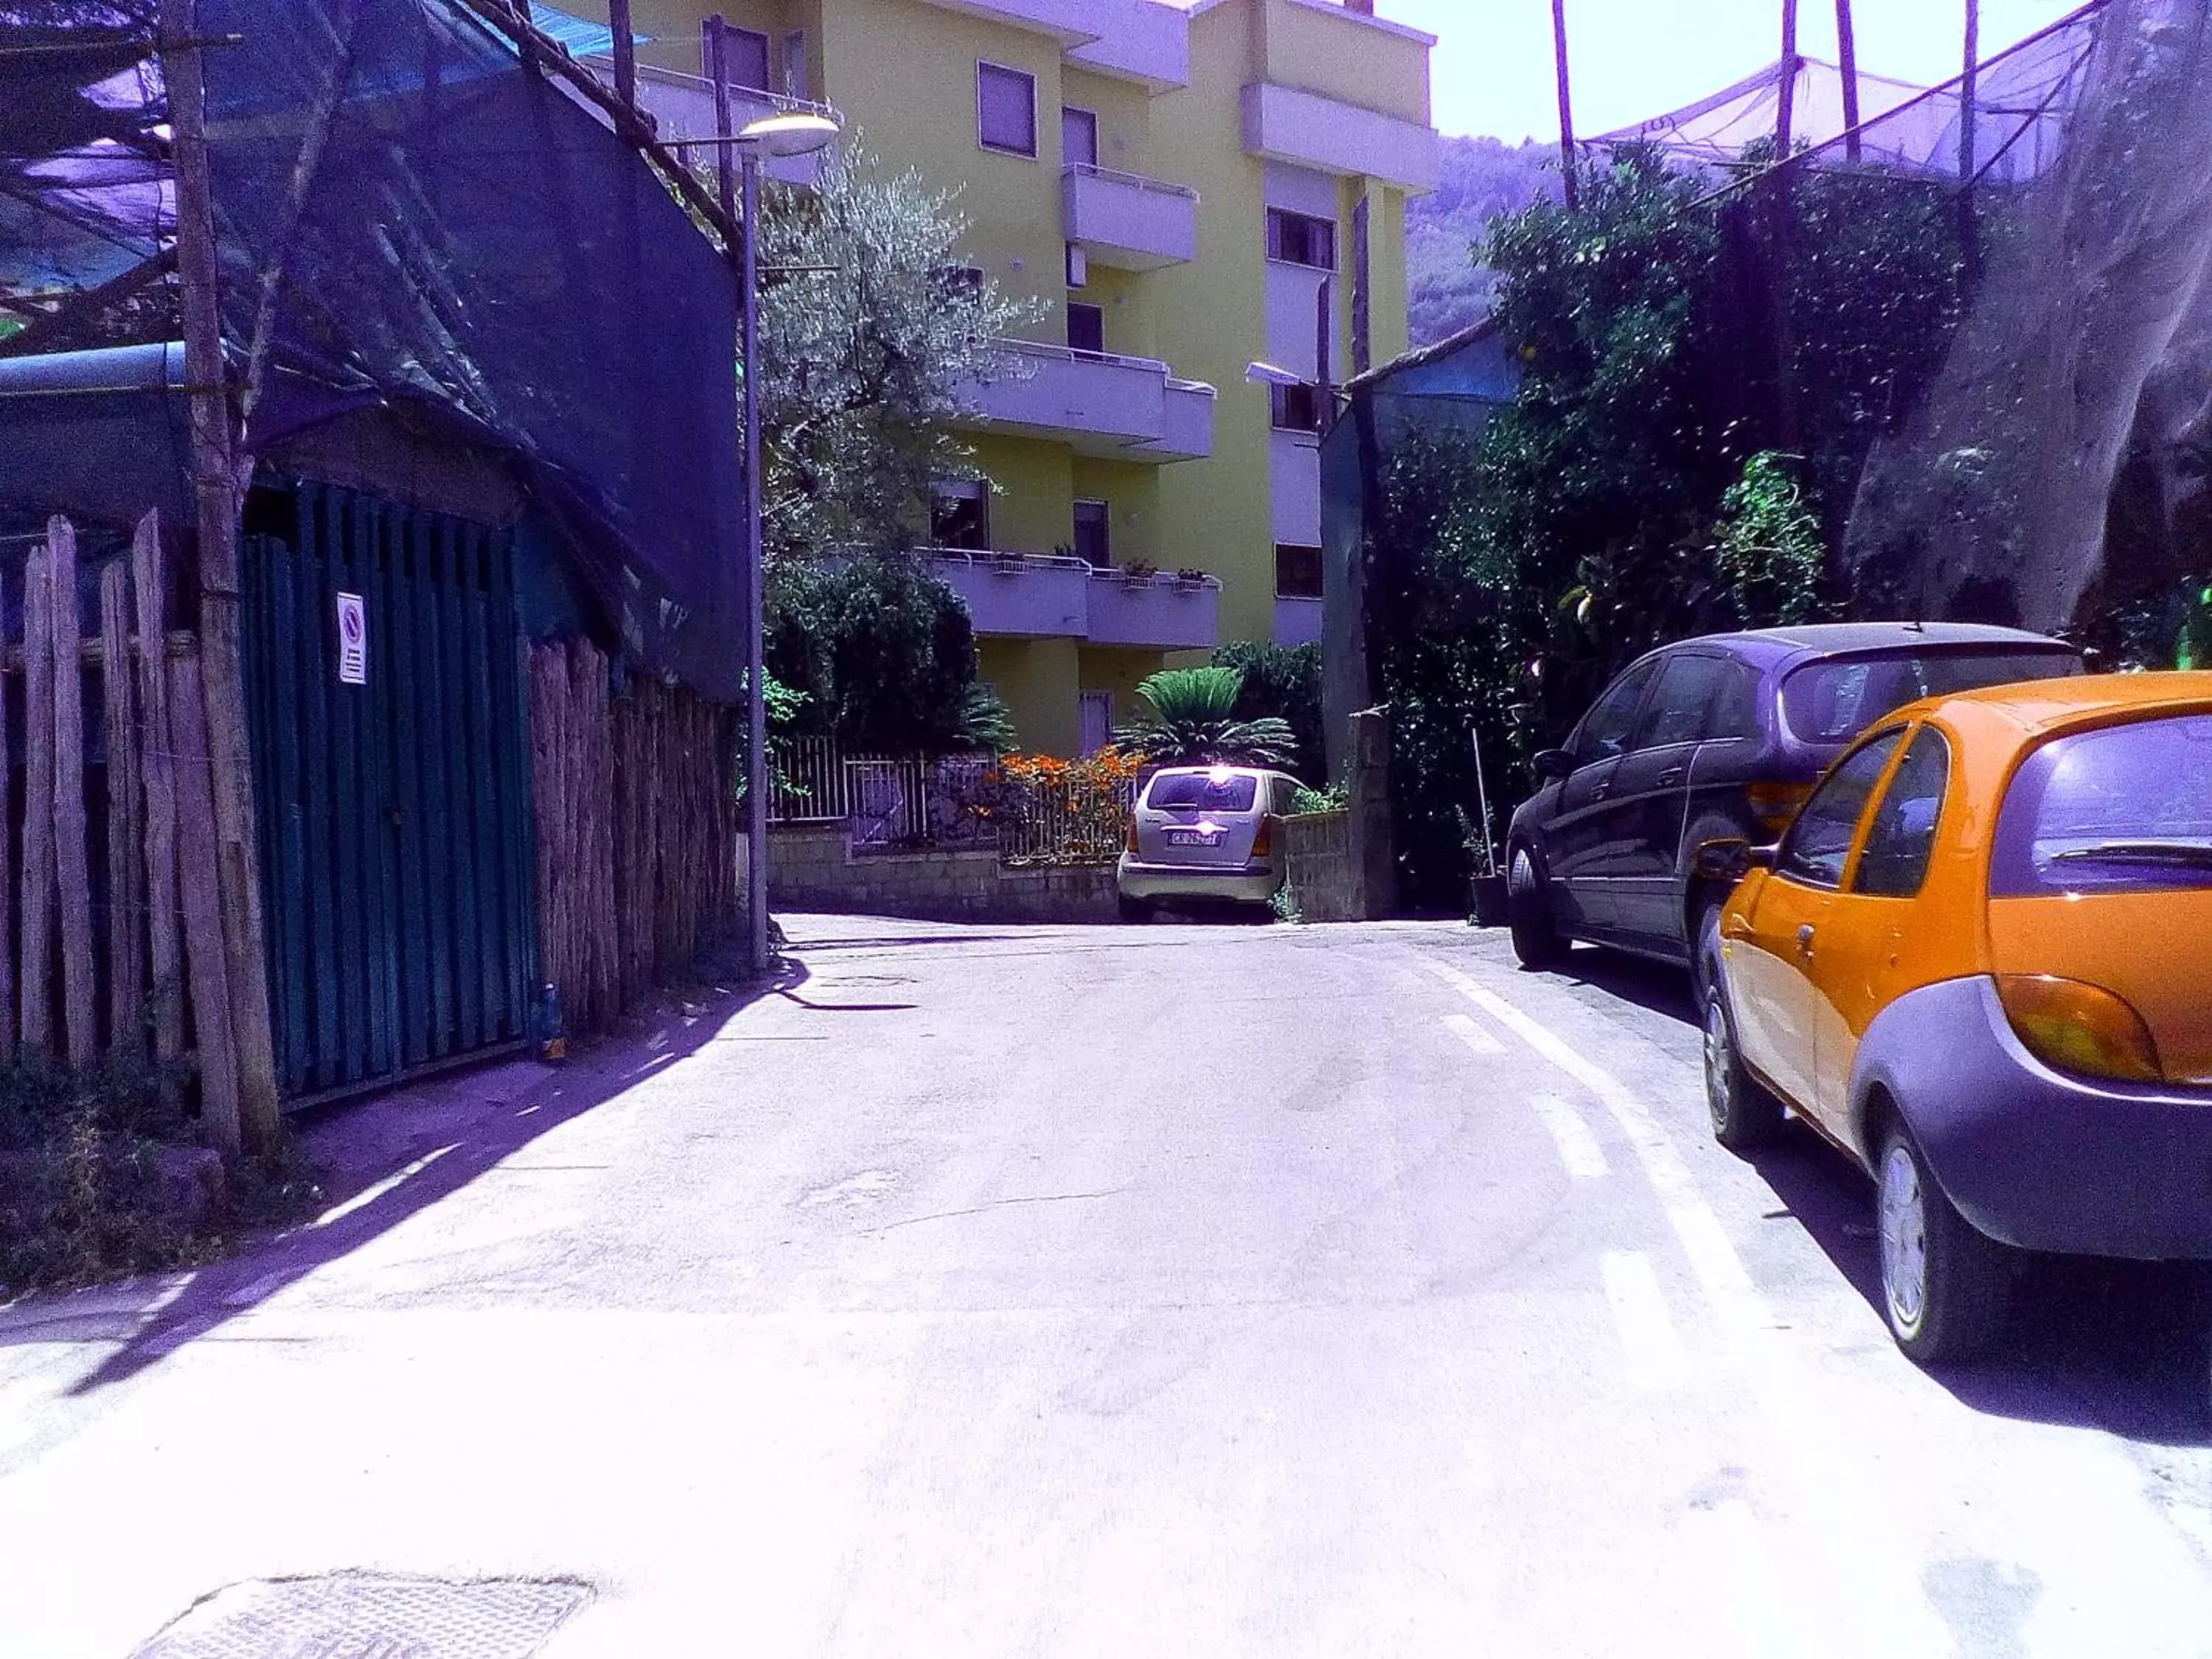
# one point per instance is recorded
(1078, 137)
(1299, 239)
(1296, 408)
(744, 59)
(1297, 572)
(1086, 328)
(1093, 534)
(794, 63)
(960, 513)
(1006, 110)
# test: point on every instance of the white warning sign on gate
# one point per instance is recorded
(353, 641)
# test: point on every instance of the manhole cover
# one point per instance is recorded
(352, 1615)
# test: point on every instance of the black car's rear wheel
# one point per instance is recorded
(1537, 939)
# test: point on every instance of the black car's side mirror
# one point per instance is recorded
(1553, 764)
(1729, 859)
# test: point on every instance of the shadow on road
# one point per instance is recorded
(457, 1144)
(2122, 1346)
(1653, 986)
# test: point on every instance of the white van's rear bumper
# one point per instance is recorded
(1244, 883)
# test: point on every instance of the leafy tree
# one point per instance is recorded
(1194, 720)
(883, 654)
(1283, 681)
(869, 328)
(1769, 553)
(1643, 483)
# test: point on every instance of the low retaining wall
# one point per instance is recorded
(1318, 867)
(811, 867)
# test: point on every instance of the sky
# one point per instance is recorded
(1492, 69)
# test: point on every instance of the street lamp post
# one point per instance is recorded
(772, 137)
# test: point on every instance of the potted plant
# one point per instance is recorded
(1189, 577)
(1138, 573)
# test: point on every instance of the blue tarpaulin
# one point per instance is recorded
(435, 225)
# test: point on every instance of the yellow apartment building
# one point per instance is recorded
(1185, 191)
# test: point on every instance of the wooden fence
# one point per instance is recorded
(637, 829)
(111, 929)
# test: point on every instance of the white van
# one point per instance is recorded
(1205, 832)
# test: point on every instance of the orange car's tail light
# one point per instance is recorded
(1775, 804)
(2083, 1029)
(1262, 841)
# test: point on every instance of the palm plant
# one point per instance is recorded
(1193, 723)
(984, 725)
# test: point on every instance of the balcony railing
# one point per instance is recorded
(1032, 595)
(1128, 220)
(1101, 402)
(682, 108)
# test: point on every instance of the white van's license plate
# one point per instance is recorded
(1193, 837)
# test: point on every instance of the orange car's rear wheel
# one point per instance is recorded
(1945, 1288)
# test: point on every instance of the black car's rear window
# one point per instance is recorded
(1833, 702)
(2126, 807)
(1202, 791)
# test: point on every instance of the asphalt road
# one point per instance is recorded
(1214, 1291)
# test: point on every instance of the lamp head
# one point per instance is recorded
(775, 136)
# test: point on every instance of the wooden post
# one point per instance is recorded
(126, 818)
(212, 1014)
(8, 1027)
(714, 56)
(220, 676)
(165, 949)
(625, 51)
(1970, 239)
(1785, 100)
(72, 866)
(1847, 60)
(1566, 101)
(37, 1028)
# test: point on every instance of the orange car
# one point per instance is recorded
(1980, 963)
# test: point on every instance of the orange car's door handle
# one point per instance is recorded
(1805, 940)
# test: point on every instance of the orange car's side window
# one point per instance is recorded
(1820, 843)
(1901, 839)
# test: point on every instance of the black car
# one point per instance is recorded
(1716, 738)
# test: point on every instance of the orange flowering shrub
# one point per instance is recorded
(1051, 810)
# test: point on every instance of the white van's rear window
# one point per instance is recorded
(1203, 791)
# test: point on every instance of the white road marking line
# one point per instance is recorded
(1810, 1468)
(1657, 1359)
(368, 1195)
(1464, 1028)
(1579, 1148)
(1714, 1260)
(260, 1290)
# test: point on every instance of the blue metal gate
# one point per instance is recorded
(394, 792)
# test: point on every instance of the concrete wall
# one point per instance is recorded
(809, 868)
(1318, 854)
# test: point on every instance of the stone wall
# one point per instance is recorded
(811, 867)
(1318, 867)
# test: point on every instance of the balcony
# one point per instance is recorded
(1126, 221)
(1289, 123)
(1018, 594)
(683, 108)
(1160, 613)
(1027, 596)
(1110, 407)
